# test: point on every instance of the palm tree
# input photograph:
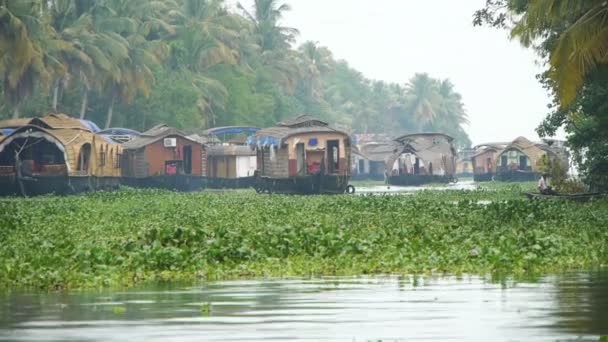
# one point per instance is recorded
(207, 36)
(274, 41)
(316, 61)
(22, 58)
(271, 35)
(581, 41)
(423, 100)
(452, 109)
(137, 28)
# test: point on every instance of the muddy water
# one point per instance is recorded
(564, 307)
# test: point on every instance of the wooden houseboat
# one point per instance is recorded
(303, 155)
(231, 162)
(464, 162)
(164, 157)
(422, 158)
(57, 154)
(520, 160)
(370, 161)
(484, 161)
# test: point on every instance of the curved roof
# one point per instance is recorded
(485, 150)
(415, 135)
(15, 123)
(119, 131)
(53, 120)
(302, 124)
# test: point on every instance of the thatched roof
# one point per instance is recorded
(533, 150)
(433, 148)
(14, 123)
(379, 151)
(153, 135)
(417, 136)
(52, 121)
(485, 150)
(300, 125)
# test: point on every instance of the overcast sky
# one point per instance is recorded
(391, 40)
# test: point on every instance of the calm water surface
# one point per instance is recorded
(567, 307)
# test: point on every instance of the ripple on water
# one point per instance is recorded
(335, 309)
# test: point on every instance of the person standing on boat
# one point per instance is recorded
(543, 188)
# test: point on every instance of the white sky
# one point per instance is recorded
(391, 40)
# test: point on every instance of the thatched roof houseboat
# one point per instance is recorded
(303, 155)
(57, 153)
(521, 160)
(371, 158)
(423, 158)
(484, 160)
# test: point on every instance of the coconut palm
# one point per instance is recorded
(580, 46)
(423, 100)
(137, 28)
(315, 61)
(22, 58)
(274, 41)
(266, 17)
(452, 109)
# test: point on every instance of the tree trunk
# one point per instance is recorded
(55, 95)
(83, 107)
(110, 113)
(16, 110)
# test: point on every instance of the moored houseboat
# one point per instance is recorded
(57, 154)
(231, 162)
(304, 155)
(484, 161)
(464, 163)
(370, 161)
(521, 160)
(165, 157)
(422, 158)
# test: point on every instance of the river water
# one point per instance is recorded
(572, 306)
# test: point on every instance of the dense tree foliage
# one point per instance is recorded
(196, 64)
(571, 37)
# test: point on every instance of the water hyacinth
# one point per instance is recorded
(131, 236)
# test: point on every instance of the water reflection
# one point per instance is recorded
(571, 306)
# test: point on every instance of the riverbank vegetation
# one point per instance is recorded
(196, 64)
(131, 236)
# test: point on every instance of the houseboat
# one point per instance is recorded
(57, 154)
(371, 158)
(422, 158)
(303, 155)
(165, 157)
(231, 162)
(521, 160)
(484, 161)
(464, 162)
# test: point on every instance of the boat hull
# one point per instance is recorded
(60, 185)
(186, 183)
(305, 185)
